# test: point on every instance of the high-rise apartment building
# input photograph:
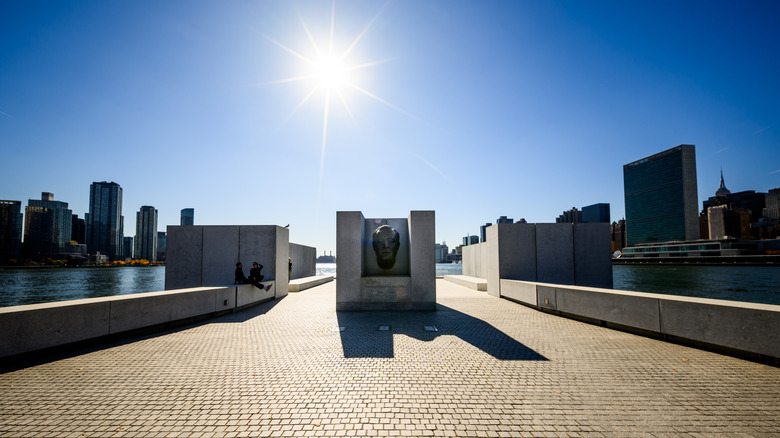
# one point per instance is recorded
(772, 208)
(661, 197)
(104, 222)
(146, 233)
(470, 240)
(47, 227)
(441, 252)
(10, 230)
(77, 229)
(162, 244)
(572, 216)
(127, 247)
(483, 228)
(618, 235)
(187, 216)
(483, 232)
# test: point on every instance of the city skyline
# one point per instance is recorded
(506, 108)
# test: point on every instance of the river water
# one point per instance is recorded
(758, 284)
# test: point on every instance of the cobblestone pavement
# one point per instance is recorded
(494, 368)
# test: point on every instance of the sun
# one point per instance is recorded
(330, 75)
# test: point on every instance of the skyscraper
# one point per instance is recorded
(595, 213)
(162, 244)
(483, 232)
(441, 252)
(618, 232)
(747, 200)
(470, 240)
(47, 226)
(661, 197)
(188, 216)
(572, 216)
(146, 233)
(10, 230)
(772, 209)
(77, 229)
(127, 247)
(104, 222)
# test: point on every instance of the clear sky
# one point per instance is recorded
(474, 109)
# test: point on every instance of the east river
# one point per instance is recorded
(758, 284)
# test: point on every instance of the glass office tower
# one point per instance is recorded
(661, 197)
(188, 216)
(10, 230)
(104, 222)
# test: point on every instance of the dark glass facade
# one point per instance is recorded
(146, 234)
(127, 246)
(661, 199)
(10, 230)
(188, 216)
(104, 221)
(595, 213)
(47, 228)
(77, 230)
(162, 244)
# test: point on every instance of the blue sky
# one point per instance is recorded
(472, 109)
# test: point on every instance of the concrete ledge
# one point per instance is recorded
(299, 284)
(475, 283)
(523, 291)
(247, 294)
(40, 326)
(732, 326)
(735, 326)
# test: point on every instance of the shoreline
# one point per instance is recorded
(4, 267)
(772, 260)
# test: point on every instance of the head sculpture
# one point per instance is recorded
(386, 242)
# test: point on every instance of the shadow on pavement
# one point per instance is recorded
(362, 336)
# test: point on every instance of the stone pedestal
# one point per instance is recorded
(369, 279)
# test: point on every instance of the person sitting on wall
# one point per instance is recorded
(240, 278)
(255, 277)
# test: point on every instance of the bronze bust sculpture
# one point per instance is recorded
(385, 241)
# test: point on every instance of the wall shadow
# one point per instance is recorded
(246, 313)
(362, 337)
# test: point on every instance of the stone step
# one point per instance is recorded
(299, 284)
(475, 283)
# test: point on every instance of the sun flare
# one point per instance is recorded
(330, 75)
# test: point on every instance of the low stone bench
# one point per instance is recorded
(475, 283)
(32, 327)
(299, 284)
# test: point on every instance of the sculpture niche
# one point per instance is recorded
(385, 263)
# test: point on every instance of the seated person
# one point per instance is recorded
(255, 277)
(240, 278)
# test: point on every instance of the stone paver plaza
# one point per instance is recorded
(493, 368)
